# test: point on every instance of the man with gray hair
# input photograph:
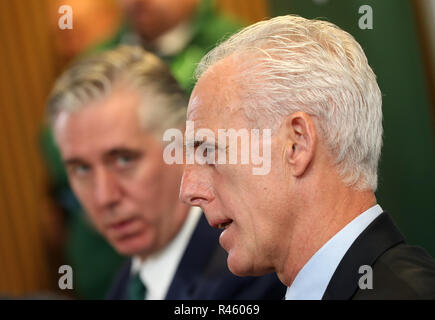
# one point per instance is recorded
(314, 218)
(108, 113)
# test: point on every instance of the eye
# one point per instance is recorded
(80, 170)
(123, 161)
(211, 156)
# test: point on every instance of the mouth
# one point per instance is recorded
(119, 226)
(224, 225)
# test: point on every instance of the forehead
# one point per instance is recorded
(100, 125)
(216, 101)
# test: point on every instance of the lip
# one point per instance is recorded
(219, 223)
(224, 239)
(122, 225)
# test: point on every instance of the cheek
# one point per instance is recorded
(85, 196)
(149, 195)
(252, 214)
(95, 218)
(145, 186)
(163, 186)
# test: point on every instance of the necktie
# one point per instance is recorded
(136, 288)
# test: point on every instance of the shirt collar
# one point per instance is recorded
(313, 279)
(157, 271)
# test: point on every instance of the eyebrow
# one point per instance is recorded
(122, 150)
(196, 143)
(108, 154)
(73, 161)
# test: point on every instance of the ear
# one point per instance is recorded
(300, 141)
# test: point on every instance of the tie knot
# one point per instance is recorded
(136, 288)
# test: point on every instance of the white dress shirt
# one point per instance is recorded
(313, 279)
(158, 270)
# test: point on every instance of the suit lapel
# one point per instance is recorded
(118, 290)
(194, 261)
(377, 238)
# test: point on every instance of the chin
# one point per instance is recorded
(239, 266)
(245, 265)
(125, 250)
(130, 247)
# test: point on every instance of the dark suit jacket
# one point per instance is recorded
(400, 271)
(203, 274)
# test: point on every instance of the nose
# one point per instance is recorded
(107, 189)
(195, 188)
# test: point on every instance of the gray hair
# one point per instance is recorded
(296, 64)
(94, 77)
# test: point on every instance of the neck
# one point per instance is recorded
(322, 215)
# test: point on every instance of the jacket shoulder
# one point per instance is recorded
(402, 272)
(118, 287)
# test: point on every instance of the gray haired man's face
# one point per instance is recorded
(249, 207)
(116, 169)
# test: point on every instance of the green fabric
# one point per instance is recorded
(209, 28)
(136, 288)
